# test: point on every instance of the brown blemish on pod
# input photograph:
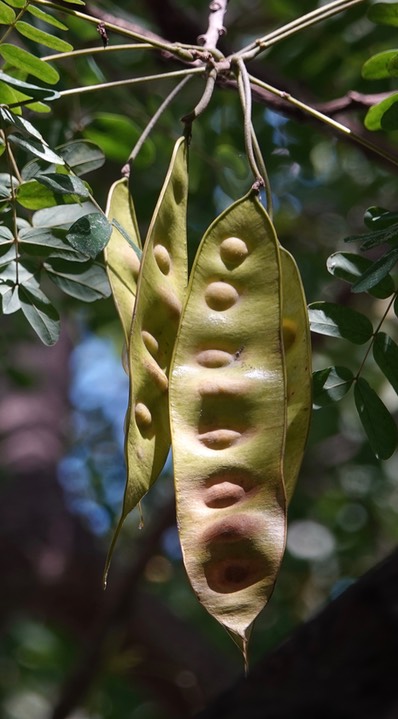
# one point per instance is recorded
(143, 416)
(229, 488)
(289, 330)
(221, 296)
(234, 563)
(150, 342)
(233, 251)
(214, 358)
(226, 576)
(162, 258)
(219, 438)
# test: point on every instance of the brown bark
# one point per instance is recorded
(340, 665)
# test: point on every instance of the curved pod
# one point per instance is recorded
(160, 294)
(122, 253)
(227, 412)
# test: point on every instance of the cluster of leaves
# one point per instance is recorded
(383, 115)
(373, 277)
(50, 227)
(19, 62)
(370, 276)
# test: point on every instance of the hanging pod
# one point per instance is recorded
(123, 251)
(228, 418)
(160, 294)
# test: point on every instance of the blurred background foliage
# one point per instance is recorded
(343, 518)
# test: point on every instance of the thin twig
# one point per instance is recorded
(334, 124)
(97, 50)
(246, 101)
(133, 81)
(304, 21)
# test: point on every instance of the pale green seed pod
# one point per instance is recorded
(297, 345)
(122, 254)
(228, 418)
(160, 295)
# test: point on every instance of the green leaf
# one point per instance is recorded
(34, 91)
(384, 13)
(35, 147)
(376, 238)
(376, 272)
(82, 156)
(24, 126)
(8, 96)
(385, 352)
(9, 298)
(20, 271)
(7, 14)
(327, 318)
(44, 241)
(374, 116)
(75, 2)
(330, 385)
(6, 235)
(85, 281)
(381, 65)
(43, 38)
(90, 234)
(46, 17)
(378, 218)
(348, 267)
(376, 420)
(34, 196)
(64, 184)
(40, 313)
(23, 60)
(7, 254)
(17, 3)
(389, 120)
(63, 215)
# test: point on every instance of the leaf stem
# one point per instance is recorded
(246, 102)
(96, 50)
(11, 168)
(172, 48)
(391, 302)
(204, 100)
(133, 81)
(311, 18)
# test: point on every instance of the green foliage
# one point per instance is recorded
(383, 115)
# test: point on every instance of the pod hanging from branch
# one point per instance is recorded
(160, 295)
(228, 418)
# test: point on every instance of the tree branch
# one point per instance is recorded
(216, 28)
(340, 664)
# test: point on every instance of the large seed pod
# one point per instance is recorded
(122, 252)
(297, 344)
(228, 418)
(160, 294)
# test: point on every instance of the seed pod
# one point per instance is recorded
(297, 345)
(228, 418)
(122, 254)
(160, 294)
